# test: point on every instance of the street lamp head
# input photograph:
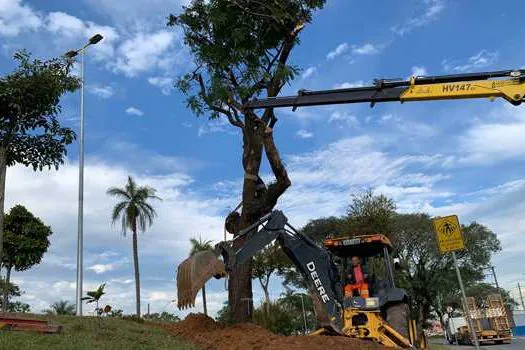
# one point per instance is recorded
(95, 39)
(71, 54)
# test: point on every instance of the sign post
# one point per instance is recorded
(450, 239)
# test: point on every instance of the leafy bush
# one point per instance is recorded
(163, 316)
(274, 318)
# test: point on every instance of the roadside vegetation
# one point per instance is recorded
(95, 333)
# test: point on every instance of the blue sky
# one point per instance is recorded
(449, 157)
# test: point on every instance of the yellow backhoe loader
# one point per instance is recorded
(379, 311)
(371, 309)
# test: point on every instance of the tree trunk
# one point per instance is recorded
(240, 292)
(255, 135)
(5, 299)
(3, 170)
(204, 299)
(240, 296)
(137, 274)
(267, 297)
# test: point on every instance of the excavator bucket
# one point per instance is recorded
(193, 273)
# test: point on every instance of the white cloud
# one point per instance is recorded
(74, 32)
(419, 71)
(429, 12)
(137, 13)
(366, 49)
(495, 138)
(304, 134)
(339, 50)
(493, 142)
(102, 268)
(309, 71)
(338, 116)
(16, 18)
(131, 49)
(144, 52)
(347, 85)
(102, 91)
(323, 180)
(483, 58)
(126, 154)
(134, 111)
(165, 84)
(216, 126)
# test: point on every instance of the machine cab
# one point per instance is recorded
(361, 289)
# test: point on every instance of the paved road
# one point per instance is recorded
(517, 344)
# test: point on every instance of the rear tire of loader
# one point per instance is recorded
(397, 317)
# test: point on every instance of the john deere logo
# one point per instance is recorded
(447, 228)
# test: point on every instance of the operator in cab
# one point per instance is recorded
(356, 279)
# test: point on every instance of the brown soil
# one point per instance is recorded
(210, 335)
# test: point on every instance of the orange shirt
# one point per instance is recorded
(358, 274)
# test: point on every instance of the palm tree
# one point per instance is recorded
(62, 307)
(200, 246)
(135, 213)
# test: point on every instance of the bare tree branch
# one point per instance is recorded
(275, 190)
(276, 84)
(219, 109)
(236, 116)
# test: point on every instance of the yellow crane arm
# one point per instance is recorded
(512, 90)
(508, 84)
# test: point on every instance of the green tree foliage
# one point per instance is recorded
(224, 315)
(135, 214)
(26, 241)
(268, 261)
(430, 276)
(274, 317)
(480, 291)
(293, 304)
(163, 316)
(200, 246)
(318, 230)
(30, 133)
(14, 291)
(115, 313)
(94, 297)
(240, 50)
(369, 213)
(285, 315)
(61, 307)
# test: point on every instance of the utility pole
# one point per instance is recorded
(495, 279)
(467, 311)
(521, 297)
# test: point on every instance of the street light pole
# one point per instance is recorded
(80, 239)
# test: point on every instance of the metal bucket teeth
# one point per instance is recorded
(193, 273)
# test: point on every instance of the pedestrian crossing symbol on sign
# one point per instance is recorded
(449, 236)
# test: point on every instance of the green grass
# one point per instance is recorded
(91, 333)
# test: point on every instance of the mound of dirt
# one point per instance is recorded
(210, 335)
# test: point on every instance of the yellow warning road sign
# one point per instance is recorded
(449, 236)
